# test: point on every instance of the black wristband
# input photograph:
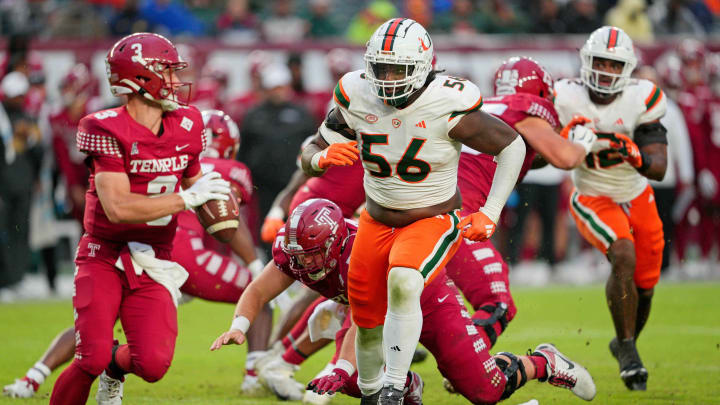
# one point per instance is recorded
(646, 162)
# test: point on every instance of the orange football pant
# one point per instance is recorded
(425, 245)
(601, 221)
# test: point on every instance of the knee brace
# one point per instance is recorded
(498, 313)
(510, 371)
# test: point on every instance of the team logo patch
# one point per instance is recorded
(186, 123)
(371, 118)
(396, 122)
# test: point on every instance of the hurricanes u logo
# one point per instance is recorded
(323, 217)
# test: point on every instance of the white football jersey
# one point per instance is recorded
(639, 103)
(409, 159)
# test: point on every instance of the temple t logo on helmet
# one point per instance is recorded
(607, 43)
(145, 64)
(398, 60)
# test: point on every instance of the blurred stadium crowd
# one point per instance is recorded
(239, 21)
(43, 177)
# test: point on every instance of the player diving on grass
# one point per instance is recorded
(315, 247)
(612, 204)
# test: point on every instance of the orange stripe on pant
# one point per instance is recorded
(425, 245)
(637, 221)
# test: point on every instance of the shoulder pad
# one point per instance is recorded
(462, 95)
(95, 137)
(654, 100)
(345, 86)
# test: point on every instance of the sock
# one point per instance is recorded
(403, 323)
(369, 357)
(251, 358)
(294, 356)
(38, 373)
(540, 364)
(72, 386)
(120, 364)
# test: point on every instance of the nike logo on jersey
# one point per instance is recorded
(421, 124)
(179, 148)
(443, 298)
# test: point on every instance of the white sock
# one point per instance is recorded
(403, 323)
(369, 356)
(251, 358)
(38, 373)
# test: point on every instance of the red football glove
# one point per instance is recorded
(339, 154)
(628, 149)
(331, 383)
(477, 227)
(576, 120)
(270, 228)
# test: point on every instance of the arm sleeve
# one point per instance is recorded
(509, 163)
(680, 147)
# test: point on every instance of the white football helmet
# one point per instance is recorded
(609, 43)
(402, 42)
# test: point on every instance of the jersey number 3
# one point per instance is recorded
(409, 168)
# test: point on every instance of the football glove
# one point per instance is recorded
(331, 383)
(270, 228)
(628, 150)
(576, 131)
(210, 186)
(337, 154)
(477, 227)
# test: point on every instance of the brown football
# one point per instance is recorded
(220, 218)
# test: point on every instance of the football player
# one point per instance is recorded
(409, 123)
(139, 155)
(212, 273)
(314, 248)
(612, 204)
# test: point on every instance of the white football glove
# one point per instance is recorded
(210, 186)
(583, 136)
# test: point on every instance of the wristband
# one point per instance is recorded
(315, 161)
(345, 366)
(276, 212)
(256, 267)
(240, 323)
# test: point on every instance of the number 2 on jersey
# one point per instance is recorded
(161, 185)
(404, 167)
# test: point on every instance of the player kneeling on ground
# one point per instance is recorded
(314, 248)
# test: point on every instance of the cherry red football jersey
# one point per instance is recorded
(154, 164)
(476, 170)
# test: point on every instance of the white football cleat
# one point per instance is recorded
(413, 392)
(110, 390)
(565, 373)
(21, 388)
(251, 386)
(278, 376)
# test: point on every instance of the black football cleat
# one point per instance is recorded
(389, 395)
(632, 371)
(373, 399)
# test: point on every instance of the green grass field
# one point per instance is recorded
(680, 347)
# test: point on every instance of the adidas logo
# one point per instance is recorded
(421, 124)
(395, 348)
(619, 121)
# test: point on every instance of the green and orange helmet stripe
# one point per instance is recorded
(612, 38)
(391, 33)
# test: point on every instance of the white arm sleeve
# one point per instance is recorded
(509, 162)
(681, 148)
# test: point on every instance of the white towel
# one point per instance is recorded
(165, 272)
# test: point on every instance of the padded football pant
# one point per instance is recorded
(211, 276)
(481, 274)
(102, 294)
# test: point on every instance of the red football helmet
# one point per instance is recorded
(315, 234)
(692, 53)
(521, 74)
(77, 82)
(143, 63)
(222, 133)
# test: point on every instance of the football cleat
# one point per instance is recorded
(632, 371)
(312, 397)
(565, 373)
(389, 395)
(278, 376)
(373, 399)
(251, 386)
(110, 390)
(414, 390)
(21, 388)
